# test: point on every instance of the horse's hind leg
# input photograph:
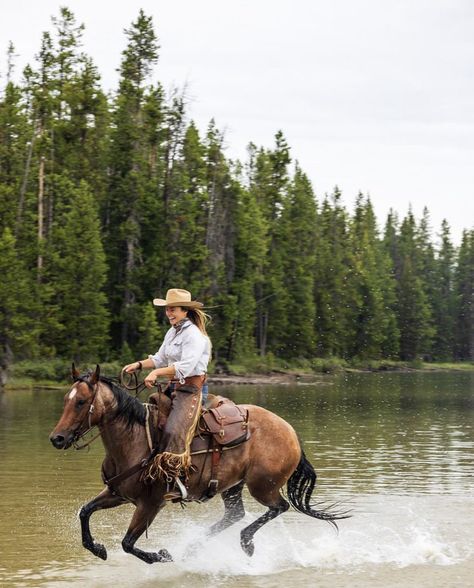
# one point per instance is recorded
(276, 506)
(104, 500)
(234, 509)
(142, 518)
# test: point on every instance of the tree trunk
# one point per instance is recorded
(128, 295)
(6, 358)
(40, 216)
(24, 183)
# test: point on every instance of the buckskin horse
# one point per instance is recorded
(271, 457)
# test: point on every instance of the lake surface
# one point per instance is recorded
(396, 447)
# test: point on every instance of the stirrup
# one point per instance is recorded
(180, 494)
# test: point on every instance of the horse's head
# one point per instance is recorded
(79, 412)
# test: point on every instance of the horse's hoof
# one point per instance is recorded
(100, 551)
(165, 555)
(247, 546)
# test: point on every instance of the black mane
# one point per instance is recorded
(129, 408)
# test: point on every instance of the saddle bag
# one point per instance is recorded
(227, 422)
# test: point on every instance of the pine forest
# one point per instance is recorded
(108, 200)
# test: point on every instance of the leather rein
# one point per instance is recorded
(136, 387)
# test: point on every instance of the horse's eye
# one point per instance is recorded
(80, 403)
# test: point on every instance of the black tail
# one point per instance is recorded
(300, 489)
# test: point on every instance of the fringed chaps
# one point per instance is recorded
(174, 457)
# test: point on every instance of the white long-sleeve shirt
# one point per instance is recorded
(187, 349)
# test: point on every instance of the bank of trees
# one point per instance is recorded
(107, 201)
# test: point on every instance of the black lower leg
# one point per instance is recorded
(234, 509)
(142, 518)
(246, 535)
(104, 500)
(128, 544)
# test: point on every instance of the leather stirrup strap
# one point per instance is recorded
(215, 459)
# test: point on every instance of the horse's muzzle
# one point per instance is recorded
(60, 442)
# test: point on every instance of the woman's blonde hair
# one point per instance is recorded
(199, 318)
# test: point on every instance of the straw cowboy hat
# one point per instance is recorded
(178, 297)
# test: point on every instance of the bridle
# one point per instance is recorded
(132, 386)
(78, 436)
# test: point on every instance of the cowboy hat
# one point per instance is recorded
(178, 297)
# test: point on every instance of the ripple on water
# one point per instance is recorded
(405, 463)
(384, 534)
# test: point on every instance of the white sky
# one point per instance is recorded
(372, 95)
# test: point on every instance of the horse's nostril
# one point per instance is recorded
(58, 441)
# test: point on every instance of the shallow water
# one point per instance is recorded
(397, 447)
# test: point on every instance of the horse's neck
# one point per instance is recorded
(123, 443)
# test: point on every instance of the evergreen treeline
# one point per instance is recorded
(107, 201)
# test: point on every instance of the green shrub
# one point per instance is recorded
(53, 370)
(328, 365)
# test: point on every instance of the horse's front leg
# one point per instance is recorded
(104, 500)
(142, 518)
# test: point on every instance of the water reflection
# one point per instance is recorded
(383, 433)
(366, 434)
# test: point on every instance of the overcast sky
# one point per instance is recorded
(372, 95)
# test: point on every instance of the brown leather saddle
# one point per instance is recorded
(222, 425)
(221, 421)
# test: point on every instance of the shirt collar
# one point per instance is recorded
(182, 325)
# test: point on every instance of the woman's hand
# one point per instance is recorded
(151, 379)
(132, 367)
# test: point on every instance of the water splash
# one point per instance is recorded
(385, 536)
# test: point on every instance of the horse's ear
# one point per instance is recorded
(95, 376)
(74, 373)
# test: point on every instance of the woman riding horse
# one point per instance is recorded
(270, 458)
(183, 358)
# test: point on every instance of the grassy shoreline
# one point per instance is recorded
(54, 373)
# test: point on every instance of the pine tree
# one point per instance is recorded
(187, 217)
(18, 326)
(414, 314)
(81, 140)
(269, 182)
(391, 250)
(427, 269)
(14, 136)
(331, 278)
(465, 298)
(223, 193)
(372, 288)
(296, 247)
(78, 270)
(41, 87)
(443, 298)
(250, 253)
(129, 181)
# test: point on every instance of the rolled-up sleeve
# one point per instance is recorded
(193, 347)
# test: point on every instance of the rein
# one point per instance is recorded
(78, 447)
(137, 387)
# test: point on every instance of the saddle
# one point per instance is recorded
(222, 423)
